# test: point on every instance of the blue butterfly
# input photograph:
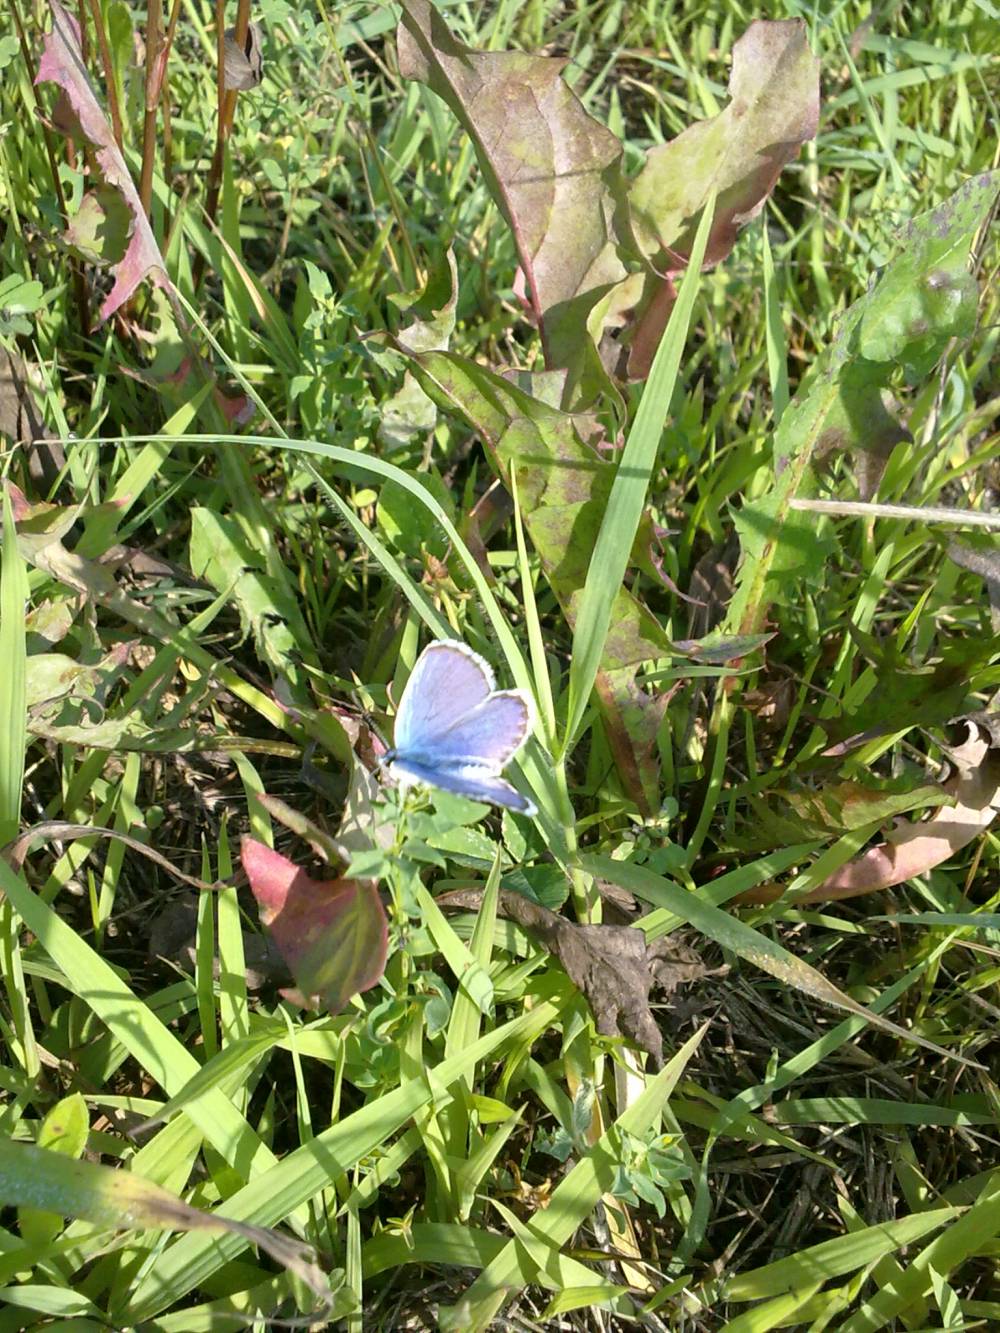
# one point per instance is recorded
(455, 731)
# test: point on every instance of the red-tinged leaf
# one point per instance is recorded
(774, 109)
(332, 934)
(62, 64)
(552, 169)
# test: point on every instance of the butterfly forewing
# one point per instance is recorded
(447, 682)
(454, 731)
(487, 736)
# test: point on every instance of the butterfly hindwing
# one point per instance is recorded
(468, 781)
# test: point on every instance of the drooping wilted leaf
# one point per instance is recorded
(332, 934)
(36, 1178)
(53, 676)
(243, 65)
(968, 803)
(22, 421)
(62, 64)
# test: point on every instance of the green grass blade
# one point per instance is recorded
(13, 677)
(606, 571)
(278, 1192)
(575, 1197)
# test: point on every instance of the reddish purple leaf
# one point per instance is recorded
(551, 167)
(773, 110)
(62, 64)
(331, 933)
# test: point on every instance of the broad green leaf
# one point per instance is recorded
(64, 1130)
(552, 169)
(98, 231)
(922, 299)
(221, 554)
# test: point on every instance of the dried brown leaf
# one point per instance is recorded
(614, 967)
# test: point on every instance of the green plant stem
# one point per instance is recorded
(722, 716)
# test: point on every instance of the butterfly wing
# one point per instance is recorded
(464, 780)
(447, 681)
(486, 736)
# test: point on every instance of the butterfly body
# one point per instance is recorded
(455, 731)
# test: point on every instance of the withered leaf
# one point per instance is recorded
(614, 967)
(913, 847)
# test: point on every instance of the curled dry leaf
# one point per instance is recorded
(332, 934)
(243, 67)
(614, 967)
(914, 847)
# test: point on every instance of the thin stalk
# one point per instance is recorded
(722, 716)
(227, 106)
(961, 518)
(109, 73)
(155, 61)
(168, 134)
